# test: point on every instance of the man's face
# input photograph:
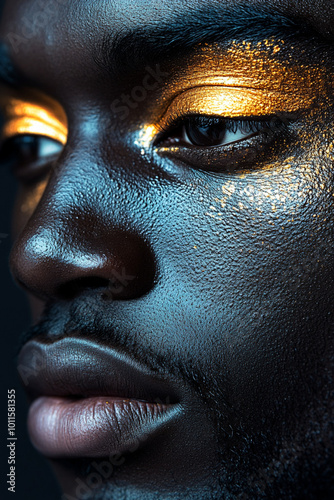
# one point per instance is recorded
(174, 233)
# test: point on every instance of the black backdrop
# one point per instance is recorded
(34, 479)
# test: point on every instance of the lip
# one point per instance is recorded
(90, 400)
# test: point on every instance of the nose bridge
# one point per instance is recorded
(80, 234)
(77, 202)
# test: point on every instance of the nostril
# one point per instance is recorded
(116, 266)
(73, 288)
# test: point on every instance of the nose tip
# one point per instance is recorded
(54, 264)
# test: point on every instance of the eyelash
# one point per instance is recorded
(264, 139)
(269, 126)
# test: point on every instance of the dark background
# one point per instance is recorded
(34, 479)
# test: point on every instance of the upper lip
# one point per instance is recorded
(79, 367)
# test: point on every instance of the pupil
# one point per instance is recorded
(205, 131)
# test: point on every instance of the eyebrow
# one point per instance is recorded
(134, 49)
(213, 24)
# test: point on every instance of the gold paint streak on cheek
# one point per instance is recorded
(278, 198)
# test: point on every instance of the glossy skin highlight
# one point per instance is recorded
(229, 246)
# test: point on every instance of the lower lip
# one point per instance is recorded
(93, 427)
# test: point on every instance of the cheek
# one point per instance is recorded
(267, 286)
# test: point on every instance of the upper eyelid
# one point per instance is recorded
(232, 102)
(27, 118)
(28, 126)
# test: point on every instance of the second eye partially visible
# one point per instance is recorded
(28, 156)
(33, 134)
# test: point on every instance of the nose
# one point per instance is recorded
(81, 236)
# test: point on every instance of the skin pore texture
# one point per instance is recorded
(206, 266)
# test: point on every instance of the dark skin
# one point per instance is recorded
(235, 308)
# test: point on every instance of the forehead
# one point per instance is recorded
(122, 14)
(56, 21)
(51, 40)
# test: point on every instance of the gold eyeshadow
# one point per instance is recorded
(233, 102)
(264, 66)
(32, 116)
(244, 80)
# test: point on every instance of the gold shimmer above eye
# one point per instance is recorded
(242, 81)
(23, 116)
(267, 66)
(233, 102)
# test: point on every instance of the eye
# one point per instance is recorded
(205, 132)
(217, 144)
(29, 155)
(202, 131)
